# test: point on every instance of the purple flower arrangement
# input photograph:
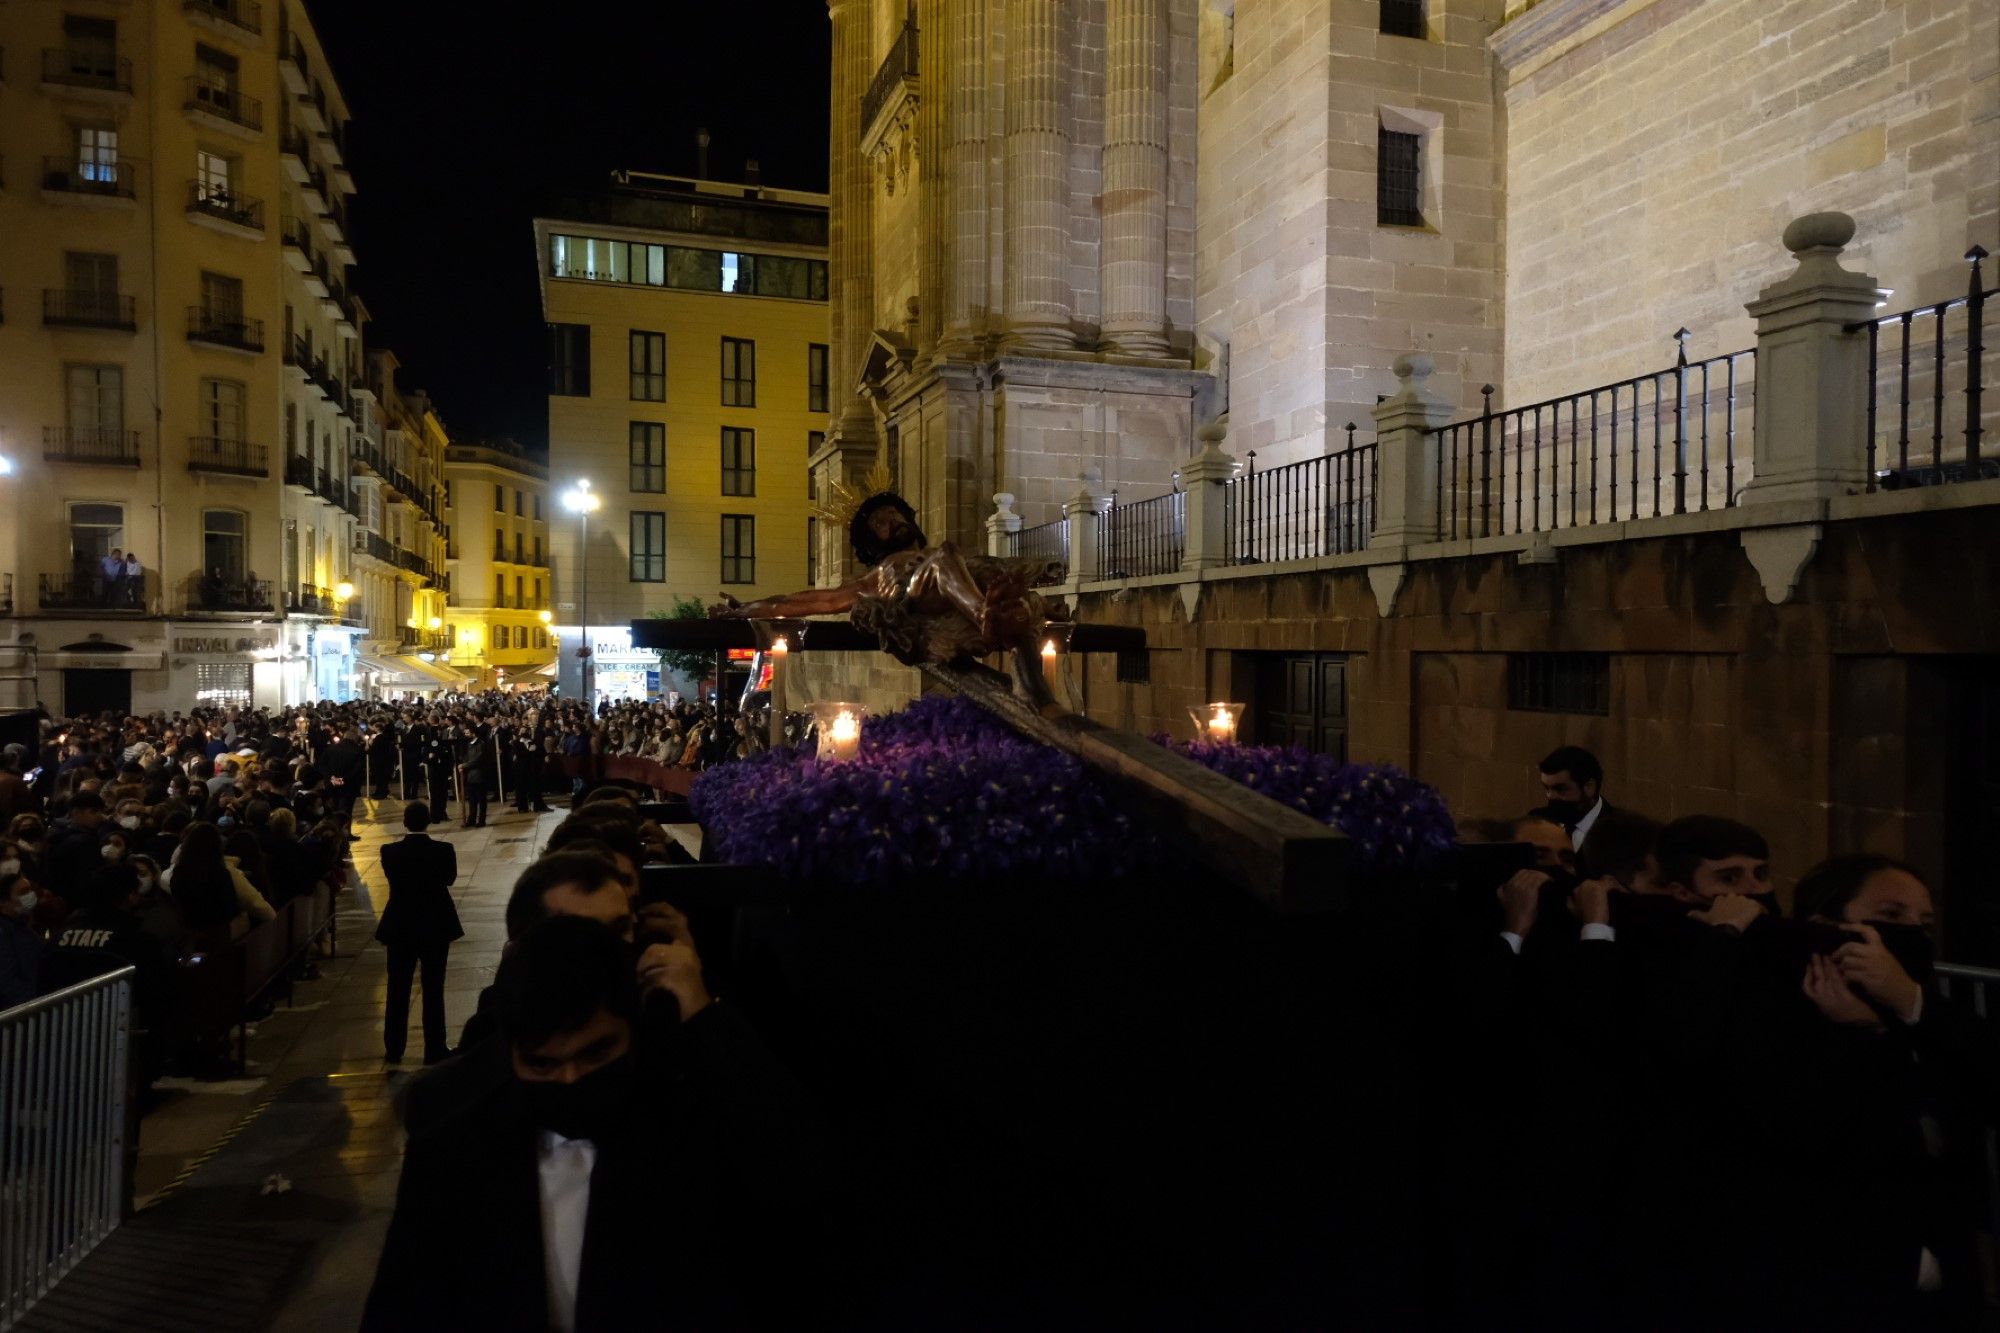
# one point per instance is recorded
(941, 790)
(1398, 822)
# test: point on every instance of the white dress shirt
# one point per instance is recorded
(1583, 826)
(565, 1191)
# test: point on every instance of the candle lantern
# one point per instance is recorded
(1217, 723)
(838, 723)
(1055, 663)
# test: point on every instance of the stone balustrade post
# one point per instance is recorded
(1001, 525)
(1085, 511)
(1205, 478)
(1406, 495)
(1811, 428)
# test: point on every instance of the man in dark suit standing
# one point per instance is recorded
(415, 736)
(440, 763)
(345, 768)
(418, 925)
(381, 760)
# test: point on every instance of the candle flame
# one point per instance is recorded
(780, 647)
(1048, 648)
(846, 727)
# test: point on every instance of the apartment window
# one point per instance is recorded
(92, 280)
(649, 546)
(499, 499)
(739, 461)
(649, 367)
(739, 372)
(94, 529)
(649, 457)
(212, 174)
(96, 398)
(1398, 191)
(97, 154)
(816, 377)
(520, 599)
(739, 273)
(538, 507)
(520, 504)
(222, 299)
(499, 636)
(222, 410)
(1403, 18)
(215, 78)
(569, 360)
(739, 548)
(225, 543)
(815, 441)
(90, 47)
(538, 595)
(1559, 683)
(812, 552)
(499, 590)
(538, 551)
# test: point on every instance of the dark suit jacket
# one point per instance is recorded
(703, 1212)
(420, 913)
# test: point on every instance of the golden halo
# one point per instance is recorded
(843, 501)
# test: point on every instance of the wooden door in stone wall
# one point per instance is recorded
(1301, 699)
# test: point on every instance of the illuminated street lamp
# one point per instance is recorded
(343, 591)
(582, 501)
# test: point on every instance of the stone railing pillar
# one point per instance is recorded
(1205, 478)
(1085, 511)
(1001, 525)
(1406, 495)
(1812, 374)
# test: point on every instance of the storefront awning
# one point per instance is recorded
(432, 675)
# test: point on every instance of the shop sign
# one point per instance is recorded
(220, 644)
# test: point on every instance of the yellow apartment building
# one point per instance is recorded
(496, 506)
(179, 353)
(688, 332)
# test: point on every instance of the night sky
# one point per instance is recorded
(461, 132)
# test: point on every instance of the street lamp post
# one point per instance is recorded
(582, 501)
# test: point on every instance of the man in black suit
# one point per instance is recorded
(1573, 791)
(587, 1169)
(440, 763)
(346, 769)
(415, 737)
(418, 925)
(381, 760)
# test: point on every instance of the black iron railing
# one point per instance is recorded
(1316, 507)
(1674, 441)
(245, 14)
(1047, 542)
(1936, 355)
(91, 444)
(87, 309)
(899, 64)
(1149, 537)
(6, 594)
(425, 640)
(75, 174)
(225, 328)
(86, 69)
(298, 471)
(208, 453)
(374, 544)
(220, 592)
(215, 201)
(92, 590)
(230, 104)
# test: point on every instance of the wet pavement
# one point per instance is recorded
(263, 1198)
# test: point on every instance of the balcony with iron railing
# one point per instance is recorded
(92, 590)
(89, 178)
(375, 546)
(231, 109)
(299, 472)
(898, 68)
(91, 444)
(85, 73)
(225, 328)
(88, 309)
(244, 16)
(216, 593)
(215, 203)
(415, 640)
(209, 453)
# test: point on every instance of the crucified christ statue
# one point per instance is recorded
(925, 603)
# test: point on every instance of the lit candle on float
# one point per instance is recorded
(1052, 669)
(843, 737)
(1216, 723)
(780, 653)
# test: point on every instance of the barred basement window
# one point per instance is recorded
(1403, 18)
(222, 684)
(1559, 683)
(1397, 189)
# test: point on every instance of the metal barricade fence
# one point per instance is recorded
(63, 1063)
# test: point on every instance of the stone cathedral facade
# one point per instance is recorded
(1067, 233)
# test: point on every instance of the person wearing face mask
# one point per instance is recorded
(159, 915)
(1879, 1070)
(73, 856)
(1572, 792)
(22, 948)
(532, 1190)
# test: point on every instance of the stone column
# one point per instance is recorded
(1135, 178)
(933, 194)
(851, 232)
(965, 221)
(1406, 497)
(1205, 479)
(1812, 374)
(1038, 146)
(1001, 525)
